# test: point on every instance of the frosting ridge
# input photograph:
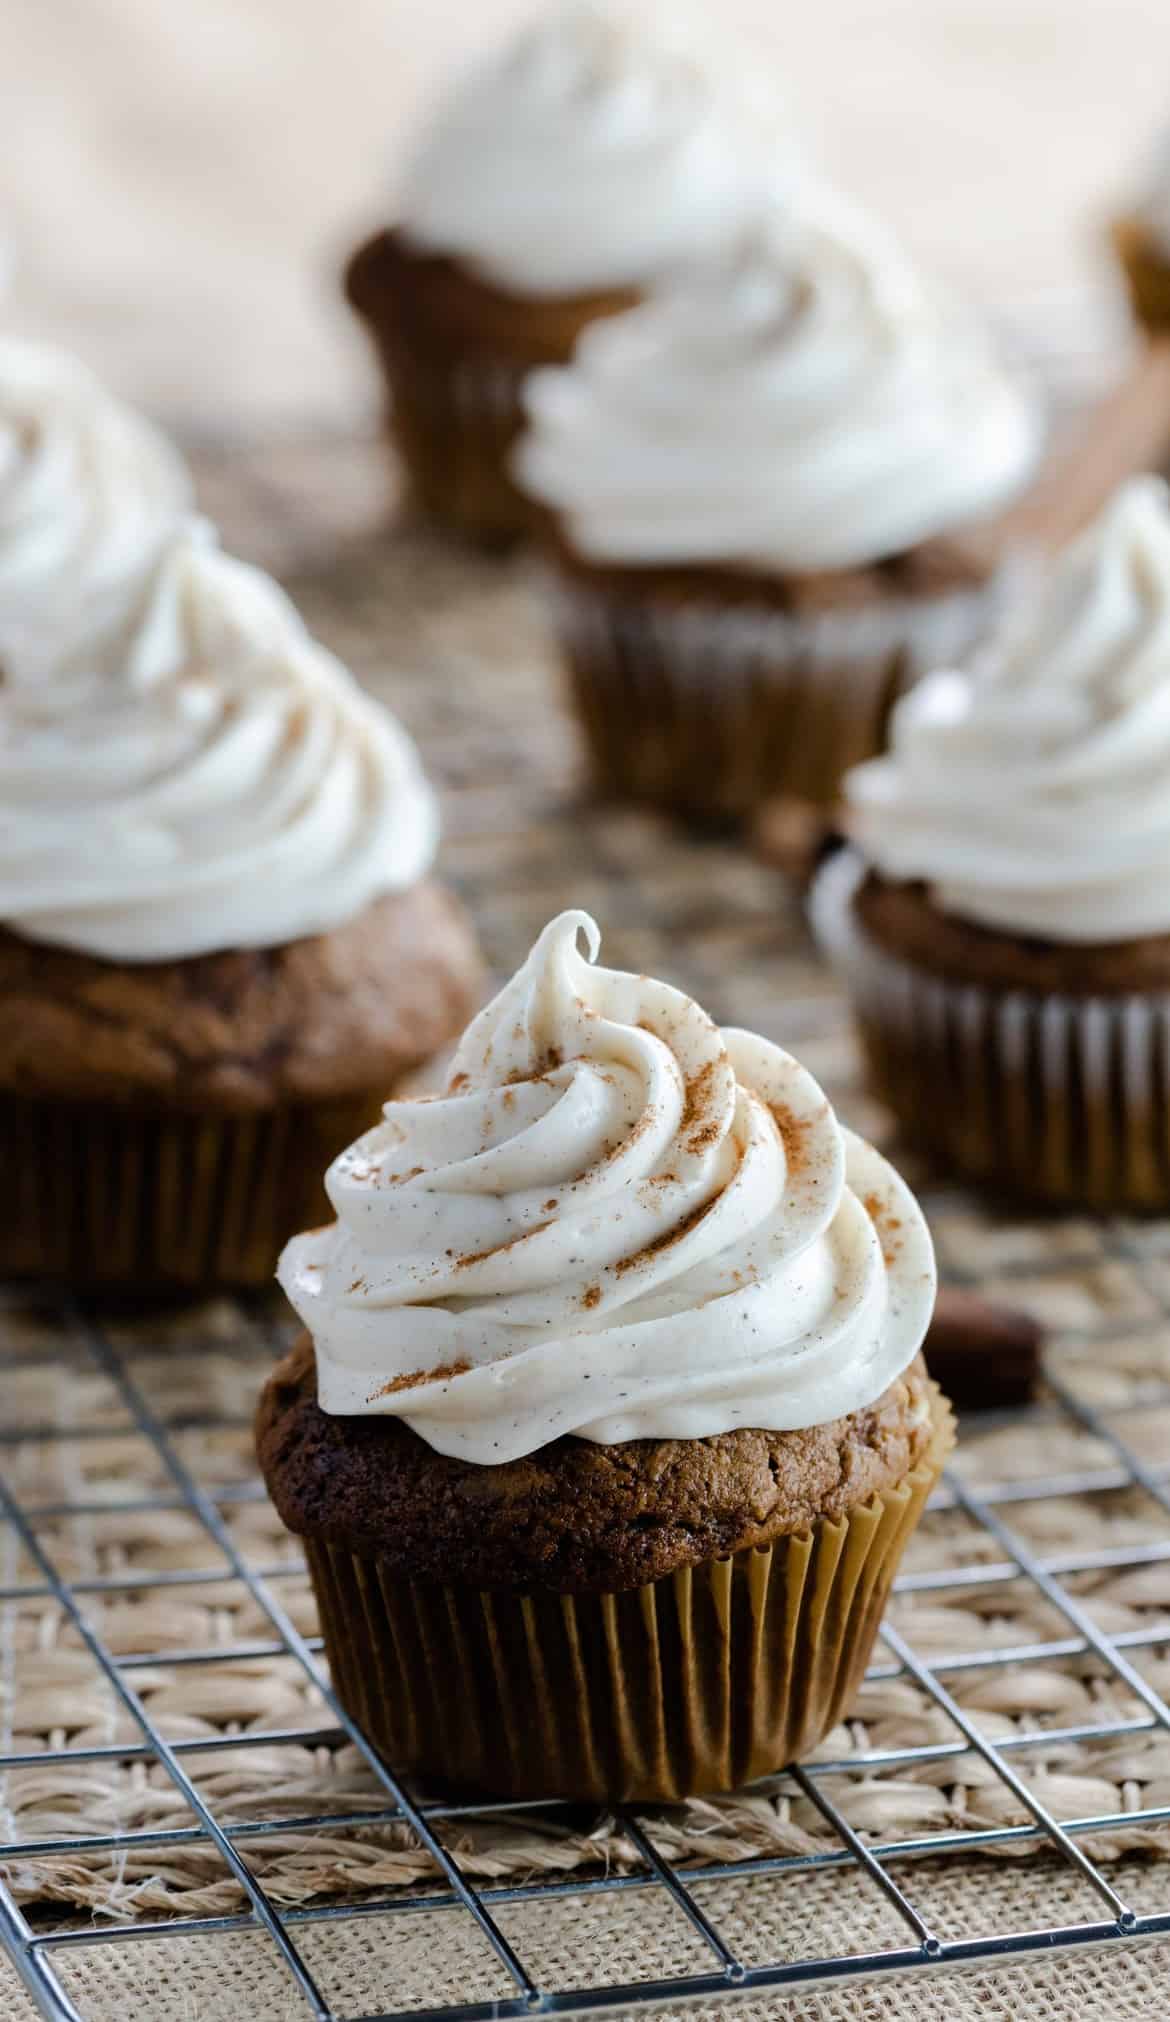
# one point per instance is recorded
(225, 784)
(596, 149)
(1034, 795)
(90, 493)
(800, 402)
(620, 1222)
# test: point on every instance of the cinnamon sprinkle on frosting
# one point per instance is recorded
(442, 1373)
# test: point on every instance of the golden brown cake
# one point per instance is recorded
(167, 1124)
(526, 1582)
(710, 690)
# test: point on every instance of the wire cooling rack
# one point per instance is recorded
(886, 1866)
(954, 1834)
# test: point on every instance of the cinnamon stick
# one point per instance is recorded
(1127, 432)
(795, 836)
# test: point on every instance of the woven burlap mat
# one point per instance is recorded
(422, 1962)
(456, 643)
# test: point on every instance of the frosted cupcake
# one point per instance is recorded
(609, 1425)
(595, 151)
(218, 932)
(90, 494)
(758, 482)
(1003, 921)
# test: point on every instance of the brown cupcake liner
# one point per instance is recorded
(102, 1197)
(1147, 274)
(454, 423)
(710, 709)
(454, 353)
(701, 1681)
(1048, 1096)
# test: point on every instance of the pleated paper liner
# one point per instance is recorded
(104, 1197)
(698, 1682)
(454, 353)
(1049, 1097)
(709, 709)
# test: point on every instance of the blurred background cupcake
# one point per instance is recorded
(598, 149)
(1003, 922)
(219, 938)
(764, 489)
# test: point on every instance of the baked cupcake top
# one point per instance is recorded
(89, 494)
(223, 783)
(1034, 796)
(620, 1222)
(799, 403)
(596, 149)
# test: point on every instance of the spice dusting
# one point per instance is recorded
(795, 1132)
(441, 1373)
(696, 1119)
(671, 1236)
(497, 1249)
(887, 1226)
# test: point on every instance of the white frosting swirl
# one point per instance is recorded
(89, 494)
(801, 403)
(618, 1222)
(227, 785)
(596, 150)
(1035, 796)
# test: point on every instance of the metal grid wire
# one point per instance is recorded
(36, 1952)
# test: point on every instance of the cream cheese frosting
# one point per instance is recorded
(619, 1221)
(1034, 795)
(225, 784)
(800, 403)
(89, 495)
(597, 149)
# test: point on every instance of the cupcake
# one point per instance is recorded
(90, 494)
(609, 1425)
(219, 935)
(556, 180)
(757, 486)
(1142, 241)
(1001, 920)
